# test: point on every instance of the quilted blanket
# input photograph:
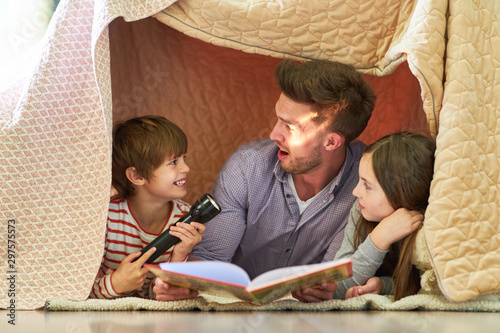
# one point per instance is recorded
(462, 226)
(208, 66)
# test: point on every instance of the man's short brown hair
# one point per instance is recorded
(336, 92)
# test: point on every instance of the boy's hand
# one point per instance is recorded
(395, 227)
(374, 285)
(316, 294)
(190, 234)
(131, 275)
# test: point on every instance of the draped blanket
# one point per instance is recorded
(208, 66)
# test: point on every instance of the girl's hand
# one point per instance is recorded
(131, 275)
(374, 285)
(190, 235)
(395, 227)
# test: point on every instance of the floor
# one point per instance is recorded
(248, 322)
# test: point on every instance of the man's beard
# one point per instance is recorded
(303, 164)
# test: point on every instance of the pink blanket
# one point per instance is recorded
(55, 148)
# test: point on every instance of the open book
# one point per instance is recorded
(226, 279)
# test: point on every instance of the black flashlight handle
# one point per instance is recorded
(204, 209)
(163, 242)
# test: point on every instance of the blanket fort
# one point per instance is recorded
(212, 63)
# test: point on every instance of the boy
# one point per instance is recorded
(149, 173)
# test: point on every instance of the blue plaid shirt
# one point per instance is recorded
(260, 227)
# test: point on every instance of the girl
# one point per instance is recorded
(394, 180)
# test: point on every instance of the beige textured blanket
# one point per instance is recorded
(208, 65)
(462, 226)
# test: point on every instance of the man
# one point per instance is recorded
(286, 201)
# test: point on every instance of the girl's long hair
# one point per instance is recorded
(403, 163)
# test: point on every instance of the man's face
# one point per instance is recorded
(297, 136)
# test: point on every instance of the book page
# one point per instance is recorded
(218, 271)
(202, 285)
(304, 276)
(284, 274)
(226, 279)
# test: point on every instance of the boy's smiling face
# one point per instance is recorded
(169, 179)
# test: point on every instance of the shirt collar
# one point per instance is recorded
(279, 172)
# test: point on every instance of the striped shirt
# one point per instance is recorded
(124, 235)
(260, 227)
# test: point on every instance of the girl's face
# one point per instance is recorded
(372, 199)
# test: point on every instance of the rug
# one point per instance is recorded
(424, 302)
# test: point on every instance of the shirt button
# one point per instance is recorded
(288, 196)
(287, 250)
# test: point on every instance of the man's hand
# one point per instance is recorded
(131, 275)
(166, 292)
(316, 294)
(374, 285)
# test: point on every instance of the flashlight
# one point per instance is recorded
(204, 209)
